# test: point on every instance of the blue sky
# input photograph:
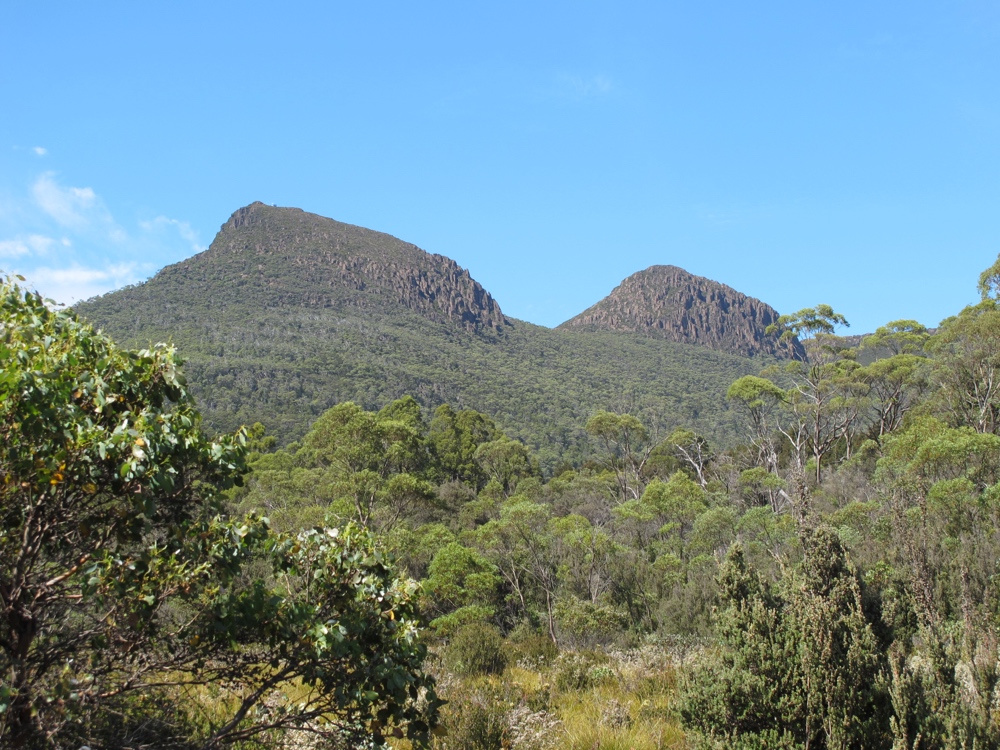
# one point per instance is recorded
(801, 152)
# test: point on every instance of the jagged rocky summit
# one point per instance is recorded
(289, 257)
(669, 303)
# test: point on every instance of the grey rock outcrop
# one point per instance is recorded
(668, 302)
(305, 259)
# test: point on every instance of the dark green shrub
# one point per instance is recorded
(474, 722)
(585, 624)
(532, 647)
(479, 715)
(477, 648)
(798, 665)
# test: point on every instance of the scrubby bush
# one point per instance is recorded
(799, 664)
(531, 648)
(477, 648)
(128, 590)
(585, 624)
(581, 670)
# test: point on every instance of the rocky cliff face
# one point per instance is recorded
(286, 256)
(668, 302)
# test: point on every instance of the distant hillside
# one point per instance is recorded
(287, 258)
(669, 303)
(288, 313)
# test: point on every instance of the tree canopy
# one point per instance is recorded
(124, 582)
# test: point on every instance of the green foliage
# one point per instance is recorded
(372, 464)
(122, 578)
(280, 345)
(504, 461)
(941, 483)
(337, 621)
(454, 438)
(807, 323)
(692, 451)
(799, 666)
(476, 648)
(460, 578)
(520, 545)
(478, 716)
(989, 281)
(626, 448)
(894, 386)
(885, 456)
(414, 550)
(966, 351)
(99, 445)
(369, 467)
(898, 337)
(583, 624)
(678, 501)
(531, 646)
(580, 670)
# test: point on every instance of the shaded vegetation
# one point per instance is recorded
(288, 314)
(134, 608)
(824, 577)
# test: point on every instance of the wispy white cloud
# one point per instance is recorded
(77, 208)
(70, 206)
(70, 246)
(33, 244)
(40, 150)
(75, 283)
(13, 248)
(183, 228)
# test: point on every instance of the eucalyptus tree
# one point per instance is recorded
(966, 366)
(693, 449)
(823, 398)
(989, 281)
(760, 400)
(627, 446)
(126, 589)
(895, 383)
(454, 437)
(372, 467)
(520, 543)
(504, 461)
(584, 554)
(966, 353)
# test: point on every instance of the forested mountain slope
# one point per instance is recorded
(288, 313)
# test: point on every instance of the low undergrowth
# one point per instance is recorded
(577, 700)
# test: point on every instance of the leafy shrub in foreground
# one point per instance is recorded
(477, 648)
(130, 589)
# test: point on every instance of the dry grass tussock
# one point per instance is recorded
(578, 701)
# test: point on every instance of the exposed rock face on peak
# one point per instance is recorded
(289, 257)
(668, 302)
(288, 313)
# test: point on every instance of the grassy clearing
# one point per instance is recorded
(619, 700)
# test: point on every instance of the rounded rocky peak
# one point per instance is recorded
(297, 257)
(668, 302)
(249, 214)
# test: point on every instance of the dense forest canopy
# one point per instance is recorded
(288, 314)
(828, 580)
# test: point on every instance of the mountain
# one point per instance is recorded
(669, 303)
(288, 313)
(287, 258)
